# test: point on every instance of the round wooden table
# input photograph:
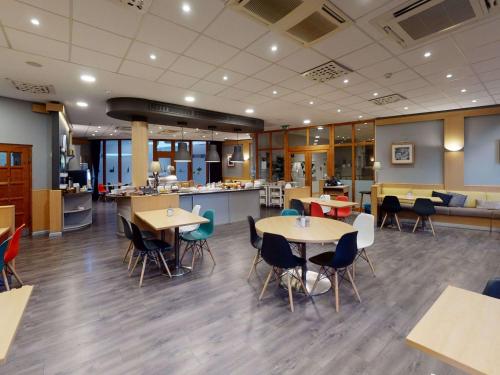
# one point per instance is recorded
(321, 230)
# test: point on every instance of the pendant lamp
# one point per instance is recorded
(182, 154)
(237, 156)
(212, 155)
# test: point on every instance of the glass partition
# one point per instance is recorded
(319, 136)
(199, 164)
(277, 139)
(126, 163)
(112, 162)
(298, 168)
(181, 169)
(263, 164)
(297, 137)
(343, 166)
(264, 140)
(278, 172)
(318, 170)
(343, 134)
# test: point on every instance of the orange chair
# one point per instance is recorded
(340, 213)
(101, 189)
(11, 253)
(316, 210)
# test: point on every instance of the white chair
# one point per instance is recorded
(365, 225)
(190, 228)
(325, 197)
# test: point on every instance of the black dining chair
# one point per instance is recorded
(277, 253)
(492, 288)
(256, 242)
(296, 204)
(148, 250)
(424, 208)
(391, 207)
(336, 263)
(127, 230)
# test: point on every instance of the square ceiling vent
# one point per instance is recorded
(32, 88)
(388, 99)
(326, 72)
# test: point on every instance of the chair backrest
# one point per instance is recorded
(316, 210)
(346, 251)
(365, 225)
(196, 209)
(344, 211)
(3, 249)
(254, 237)
(297, 205)
(127, 230)
(137, 238)
(391, 204)
(101, 188)
(492, 288)
(424, 207)
(208, 228)
(289, 212)
(13, 248)
(276, 251)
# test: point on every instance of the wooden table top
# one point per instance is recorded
(413, 198)
(159, 220)
(462, 328)
(320, 231)
(328, 203)
(3, 231)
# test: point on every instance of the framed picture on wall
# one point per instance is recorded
(230, 161)
(403, 153)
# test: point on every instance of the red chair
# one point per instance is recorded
(316, 210)
(343, 212)
(11, 253)
(101, 189)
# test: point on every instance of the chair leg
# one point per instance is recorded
(5, 281)
(432, 227)
(144, 261)
(13, 271)
(416, 223)
(301, 282)
(130, 261)
(397, 221)
(210, 252)
(185, 251)
(383, 221)
(335, 283)
(193, 250)
(353, 285)
(265, 283)
(135, 265)
(369, 262)
(165, 264)
(254, 265)
(127, 252)
(317, 280)
(290, 295)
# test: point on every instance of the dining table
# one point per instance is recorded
(319, 231)
(331, 203)
(172, 218)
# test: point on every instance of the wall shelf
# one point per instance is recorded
(75, 217)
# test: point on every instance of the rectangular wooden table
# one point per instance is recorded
(462, 328)
(3, 231)
(413, 198)
(160, 221)
(332, 203)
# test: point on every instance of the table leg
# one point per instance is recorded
(303, 254)
(179, 269)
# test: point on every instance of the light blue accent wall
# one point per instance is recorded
(428, 139)
(481, 150)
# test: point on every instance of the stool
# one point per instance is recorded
(363, 193)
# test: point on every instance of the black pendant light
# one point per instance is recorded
(212, 155)
(182, 154)
(237, 156)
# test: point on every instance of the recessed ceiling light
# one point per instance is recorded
(152, 56)
(99, 127)
(216, 133)
(306, 121)
(463, 90)
(82, 104)
(274, 48)
(186, 8)
(87, 78)
(360, 116)
(311, 102)
(339, 110)
(35, 21)
(346, 80)
(111, 134)
(405, 108)
(474, 100)
(249, 110)
(93, 135)
(275, 92)
(449, 75)
(320, 128)
(204, 137)
(161, 127)
(375, 94)
(189, 99)
(427, 54)
(150, 132)
(225, 78)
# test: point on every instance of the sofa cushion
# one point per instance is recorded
(422, 192)
(492, 205)
(442, 210)
(457, 200)
(492, 196)
(446, 198)
(473, 212)
(394, 191)
(472, 196)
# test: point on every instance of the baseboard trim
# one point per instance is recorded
(39, 233)
(55, 234)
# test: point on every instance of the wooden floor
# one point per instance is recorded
(86, 316)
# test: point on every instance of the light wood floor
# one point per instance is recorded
(86, 316)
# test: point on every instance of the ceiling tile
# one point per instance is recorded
(280, 91)
(476, 36)
(409, 85)
(368, 94)
(3, 41)
(458, 74)
(164, 34)
(318, 89)
(60, 7)
(295, 97)
(362, 87)
(262, 46)
(211, 51)
(232, 93)
(177, 80)
(398, 77)
(415, 93)
(343, 42)
(87, 57)
(275, 74)
(236, 29)
(99, 40)
(203, 12)
(191, 67)
(140, 52)
(442, 50)
(353, 79)
(206, 87)
(350, 100)
(217, 76)
(18, 16)
(134, 69)
(439, 67)
(490, 76)
(357, 8)
(487, 65)
(252, 84)
(364, 57)
(256, 99)
(246, 64)
(302, 60)
(492, 84)
(41, 46)
(485, 52)
(297, 83)
(378, 70)
(97, 13)
(336, 95)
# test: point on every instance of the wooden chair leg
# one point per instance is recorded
(416, 223)
(369, 263)
(254, 264)
(301, 282)
(317, 280)
(397, 221)
(165, 264)
(383, 221)
(13, 271)
(5, 281)
(144, 261)
(353, 285)
(432, 227)
(290, 295)
(185, 250)
(193, 258)
(128, 251)
(335, 288)
(210, 252)
(265, 283)
(135, 265)
(130, 261)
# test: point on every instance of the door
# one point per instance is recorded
(15, 180)
(319, 161)
(308, 167)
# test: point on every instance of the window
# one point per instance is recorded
(278, 162)
(181, 169)
(343, 134)
(297, 137)
(277, 139)
(112, 162)
(264, 140)
(263, 164)
(199, 164)
(126, 162)
(3, 159)
(101, 167)
(319, 136)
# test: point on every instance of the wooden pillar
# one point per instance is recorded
(139, 153)
(454, 152)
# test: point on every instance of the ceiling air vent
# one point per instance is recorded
(32, 88)
(388, 99)
(326, 71)
(140, 6)
(418, 21)
(271, 11)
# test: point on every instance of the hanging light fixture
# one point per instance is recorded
(182, 154)
(237, 156)
(212, 155)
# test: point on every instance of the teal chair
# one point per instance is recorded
(3, 248)
(196, 241)
(289, 212)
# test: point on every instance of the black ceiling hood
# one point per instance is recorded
(153, 112)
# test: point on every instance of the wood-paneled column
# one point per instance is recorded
(139, 153)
